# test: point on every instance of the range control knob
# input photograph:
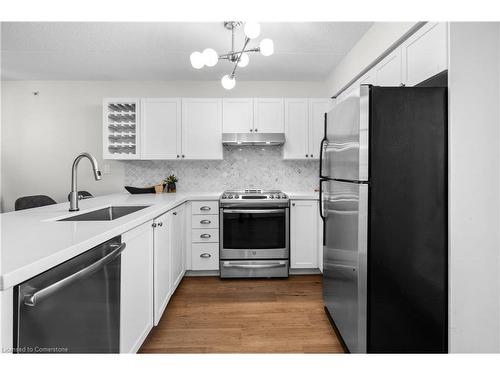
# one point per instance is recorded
(272, 196)
(236, 196)
(224, 196)
(284, 196)
(230, 196)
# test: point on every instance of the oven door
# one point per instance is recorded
(254, 233)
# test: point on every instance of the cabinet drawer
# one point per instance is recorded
(205, 256)
(205, 235)
(205, 221)
(205, 207)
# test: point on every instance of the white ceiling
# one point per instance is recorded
(160, 51)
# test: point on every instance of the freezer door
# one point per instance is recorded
(345, 209)
(345, 153)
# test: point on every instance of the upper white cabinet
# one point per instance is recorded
(296, 129)
(201, 128)
(389, 71)
(425, 53)
(304, 221)
(304, 127)
(317, 109)
(178, 238)
(269, 115)
(162, 264)
(161, 128)
(237, 115)
(136, 298)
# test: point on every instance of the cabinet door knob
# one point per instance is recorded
(174, 213)
(293, 204)
(311, 155)
(154, 225)
(205, 255)
(205, 221)
(205, 235)
(256, 130)
(205, 208)
(307, 156)
(178, 156)
(251, 130)
(182, 155)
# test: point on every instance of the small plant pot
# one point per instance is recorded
(171, 188)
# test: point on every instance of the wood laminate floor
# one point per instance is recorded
(210, 315)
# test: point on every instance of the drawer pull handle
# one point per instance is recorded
(205, 208)
(205, 235)
(205, 221)
(205, 255)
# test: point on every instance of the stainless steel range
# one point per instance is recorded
(254, 233)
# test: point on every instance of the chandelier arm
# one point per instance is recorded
(239, 57)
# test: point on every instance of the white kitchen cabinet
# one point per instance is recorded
(178, 243)
(204, 236)
(304, 216)
(296, 129)
(425, 53)
(237, 115)
(389, 71)
(201, 128)
(269, 115)
(304, 127)
(162, 265)
(317, 109)
(136, 298)
(160, 128)
(120, 128)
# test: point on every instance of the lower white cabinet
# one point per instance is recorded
(304, 240)
(136, 299)
(203, 236)
(178, 243)
(162, 265)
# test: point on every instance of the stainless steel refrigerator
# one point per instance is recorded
(383, 185)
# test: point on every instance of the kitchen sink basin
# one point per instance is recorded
(105, 214)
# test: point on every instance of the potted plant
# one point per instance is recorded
(170, 181)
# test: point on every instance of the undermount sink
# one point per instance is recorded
(105, 214)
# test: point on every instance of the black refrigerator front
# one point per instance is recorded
(384, 206)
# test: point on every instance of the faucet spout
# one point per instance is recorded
(73, 195)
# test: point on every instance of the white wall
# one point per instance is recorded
(474, 188)
(374, 43)
(42, 134)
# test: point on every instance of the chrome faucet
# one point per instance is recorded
(73, 195)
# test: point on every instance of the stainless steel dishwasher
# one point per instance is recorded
(73, 307)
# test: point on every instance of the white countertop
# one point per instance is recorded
(33, 241)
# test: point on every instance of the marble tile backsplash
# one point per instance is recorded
(242, 167)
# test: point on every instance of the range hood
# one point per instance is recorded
(253, 139)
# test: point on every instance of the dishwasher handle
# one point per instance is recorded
(36, 296)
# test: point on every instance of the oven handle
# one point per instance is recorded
(267, 265)
(31, 299)
(251, 211)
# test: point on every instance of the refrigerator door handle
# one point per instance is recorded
(321, 147)
(321, 199)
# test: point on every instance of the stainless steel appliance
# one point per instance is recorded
(254, 233)
(73, 307)
(383, 185)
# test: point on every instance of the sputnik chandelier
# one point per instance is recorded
(209, 56)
